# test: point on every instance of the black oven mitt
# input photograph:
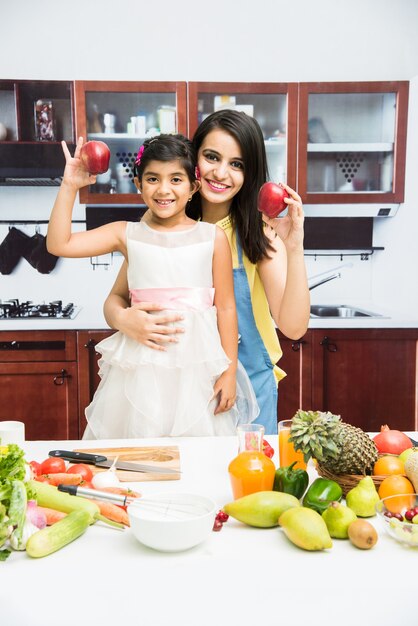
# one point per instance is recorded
(12, 248)
(38, 256)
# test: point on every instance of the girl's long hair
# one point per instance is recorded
(246, 219)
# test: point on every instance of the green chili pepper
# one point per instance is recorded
(289, 480)
(321, 493)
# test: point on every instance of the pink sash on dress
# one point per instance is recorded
(178, 298)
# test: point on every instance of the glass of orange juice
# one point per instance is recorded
(287, 453)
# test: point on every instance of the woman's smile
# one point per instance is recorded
(216, 186)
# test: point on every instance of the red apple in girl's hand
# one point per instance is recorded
(95, 155)
(271, 199)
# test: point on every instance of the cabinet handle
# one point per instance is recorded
(91, 344)
(60, 378)
(330, 346)
(297, 344)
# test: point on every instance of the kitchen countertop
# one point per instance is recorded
(90, 317)
(240, 575)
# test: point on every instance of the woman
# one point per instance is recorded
(270, 282)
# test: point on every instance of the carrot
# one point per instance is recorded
(112, 511)
(121, 491)
(51, 515)
(63, 479)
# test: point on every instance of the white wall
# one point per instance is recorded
(263, 40)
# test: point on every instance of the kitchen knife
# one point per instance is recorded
(104, 461)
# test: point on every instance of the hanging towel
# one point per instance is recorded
(12, 248)
(38, 256)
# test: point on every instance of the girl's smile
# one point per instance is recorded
(166, 190)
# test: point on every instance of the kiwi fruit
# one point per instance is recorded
(362, 534)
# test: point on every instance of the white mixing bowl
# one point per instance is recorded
(172, 522)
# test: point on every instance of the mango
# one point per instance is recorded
(261, 509)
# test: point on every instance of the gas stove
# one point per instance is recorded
(15, 310)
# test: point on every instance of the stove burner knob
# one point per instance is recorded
(67, 310)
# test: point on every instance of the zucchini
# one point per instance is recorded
(52, 538)
(49, 496)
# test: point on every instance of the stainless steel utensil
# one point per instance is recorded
(104, 461)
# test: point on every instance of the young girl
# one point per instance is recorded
(270, 282)
(184, 266)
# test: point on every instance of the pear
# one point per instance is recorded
(363, 498)
(338, 518)
(406, 453)
(305, 528)
(261, 509)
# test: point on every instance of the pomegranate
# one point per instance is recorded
(391, 441)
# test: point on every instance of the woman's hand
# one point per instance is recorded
(225, 390)
(75, 173)
(290, 227)
(144, 325)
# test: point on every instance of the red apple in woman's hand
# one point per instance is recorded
(271, 199)
(95, 156)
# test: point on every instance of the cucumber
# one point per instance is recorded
(49, 496)
(52, 538)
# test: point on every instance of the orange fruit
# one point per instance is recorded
(388, 465)
(397, 485)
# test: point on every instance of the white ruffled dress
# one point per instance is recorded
(150, 393)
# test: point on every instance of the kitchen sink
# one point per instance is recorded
(340, 310)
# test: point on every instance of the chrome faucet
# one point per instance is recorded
(325, 280)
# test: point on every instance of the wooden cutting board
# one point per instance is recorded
(158, 456)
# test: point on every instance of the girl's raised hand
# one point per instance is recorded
(290, 227)
(75, 173)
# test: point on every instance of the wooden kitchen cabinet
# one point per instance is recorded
(336, 143)
(368, 376)
(38, 382)
(123, 114)
(37, 115)
(295, 390)
(273, 105)
(352, 142)
(87, 369)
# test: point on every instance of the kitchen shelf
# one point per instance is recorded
(32, 149)
(350, 147)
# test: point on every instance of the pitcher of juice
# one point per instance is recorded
(287, 453)
(251, 470)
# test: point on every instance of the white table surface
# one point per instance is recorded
(239, 576)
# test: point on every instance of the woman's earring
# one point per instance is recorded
(190, 199)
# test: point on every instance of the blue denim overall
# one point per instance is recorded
(252, 352)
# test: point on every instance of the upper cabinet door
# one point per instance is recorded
(352, 142)
(35, 116)
(273, 105)
(123, 115)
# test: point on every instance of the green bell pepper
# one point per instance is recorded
(289, 480)
(321, 493)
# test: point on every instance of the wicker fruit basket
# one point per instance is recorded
(347, 481)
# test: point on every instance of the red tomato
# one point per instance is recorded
(53, 465)
(35, 467)
(83, 469)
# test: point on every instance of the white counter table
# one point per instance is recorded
(241, 576)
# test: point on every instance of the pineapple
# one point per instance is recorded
(338, 447)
